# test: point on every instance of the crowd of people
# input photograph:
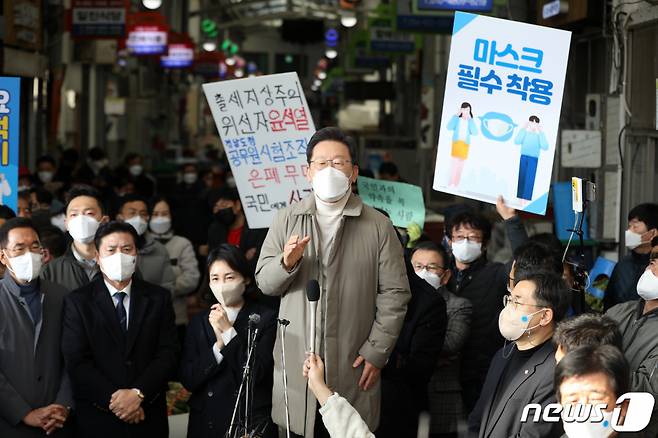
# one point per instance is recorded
(115, 284)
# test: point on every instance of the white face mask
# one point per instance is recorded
(512, 325)
(99, 164)
(647, 286)
(190, 178)
(118, 266)
(45, 176)
(83, 228)
(138, 224)
(25, 267)
(632, 239)
(589, 429)
(135, 169)
(160, 224)
(58, 221)
(433, 279)
(466, 251)
(330, 184)
(228, 294)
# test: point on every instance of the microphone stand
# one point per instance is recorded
(283, 324)
(246, 381)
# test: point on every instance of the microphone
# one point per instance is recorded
(313, 296)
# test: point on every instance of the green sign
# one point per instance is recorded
(403, 202)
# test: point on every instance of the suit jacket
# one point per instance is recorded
(101, 359)
(67, 271)
(409, 369)
(31, 365)
(214, 386)
(532, 384)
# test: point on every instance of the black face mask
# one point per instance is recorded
(225, 216)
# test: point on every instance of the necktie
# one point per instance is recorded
(121, 311)
(33, 300)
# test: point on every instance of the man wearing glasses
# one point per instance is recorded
(483, 283)
(354, 253)
(638, 324)
(34, 389)
(522, 372)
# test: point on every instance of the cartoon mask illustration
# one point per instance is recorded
(497, 126)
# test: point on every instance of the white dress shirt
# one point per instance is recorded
(228, 335)
(126, 299)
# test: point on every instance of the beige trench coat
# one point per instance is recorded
(363, 301)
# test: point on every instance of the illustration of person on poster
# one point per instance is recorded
(463, 127)
(532, 140)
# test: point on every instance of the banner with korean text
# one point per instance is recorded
(265, 125)
(403, 202)
(10, 125)
(501, 111)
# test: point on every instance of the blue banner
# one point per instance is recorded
(453, 5)
(10, 105)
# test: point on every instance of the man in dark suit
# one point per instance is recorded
(120, 344)
(522, 372)
(409, 369)
(35, 394)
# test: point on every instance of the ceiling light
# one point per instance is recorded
(348, 19)
(209, 46)
(152, 4)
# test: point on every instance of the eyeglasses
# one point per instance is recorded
(507, 299)
(471, 238)
(430, 268)
(19, 250)
(336, 163)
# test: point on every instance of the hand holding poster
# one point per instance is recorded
(265, 125)
(10, 99)
(501, 111)
(403, 202)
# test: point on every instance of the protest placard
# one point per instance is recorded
(403, 202)
(10, 111)
(265, 125)
(501, 111)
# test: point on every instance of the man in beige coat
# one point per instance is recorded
(354, 253)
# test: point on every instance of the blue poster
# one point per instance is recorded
(10, 101)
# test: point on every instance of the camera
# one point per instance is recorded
(582, 192)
